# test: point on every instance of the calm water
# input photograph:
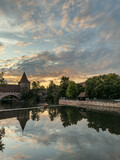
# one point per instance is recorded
(59, 133)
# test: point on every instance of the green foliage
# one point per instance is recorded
(80, 88)
(72, 90)
(2, 134)
(98, 121)
(29, 95)
(103, 87)
(63, 86)
(50, 91)
(68, 115)
(53, 93)
(35, 115)
(42, 88)
(36, 85)
(3, 82)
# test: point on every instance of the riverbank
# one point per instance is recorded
(92, 105)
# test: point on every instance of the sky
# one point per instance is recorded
(49, 39)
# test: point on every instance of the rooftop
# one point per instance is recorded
(24, 79)
(82, 94)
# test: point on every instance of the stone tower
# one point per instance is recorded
(24, 83)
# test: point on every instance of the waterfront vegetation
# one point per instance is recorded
(105, 87)
(3, 82)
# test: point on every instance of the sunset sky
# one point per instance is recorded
(49, 39)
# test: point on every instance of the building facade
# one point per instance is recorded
(14, 90)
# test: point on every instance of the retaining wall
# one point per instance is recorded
(92, 105)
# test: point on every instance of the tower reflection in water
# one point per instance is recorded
(68, 116)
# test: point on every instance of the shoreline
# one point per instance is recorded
(92, 105)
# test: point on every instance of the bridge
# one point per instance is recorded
(11, 90)
(6, 94)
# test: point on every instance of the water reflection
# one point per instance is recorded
(59, 133)
(22, 117)
(105, 122)
(68, 116)
(2, 134)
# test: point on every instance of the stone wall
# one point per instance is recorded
(92, 105)
(4, 94)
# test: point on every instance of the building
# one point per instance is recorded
(82, 96)
(14, 90)
(24, 83)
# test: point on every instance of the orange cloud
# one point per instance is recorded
(2, 49)
(22, 44)
(20, 156)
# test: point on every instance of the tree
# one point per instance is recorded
(103, 87)
(29, 95)
(3, 82)
(91, 85)
(35, 85)
(50, 91)
(80, 88)
(63, 86)
(56, 94)
(41, 88)
(53, 93)
(72, 90)
(111, 86)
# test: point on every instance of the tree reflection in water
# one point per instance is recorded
(2, 134)
(104, 122)
(35, 113)
(71, 116)
(68, 116)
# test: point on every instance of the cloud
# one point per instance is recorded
(73, 142)
(82, 37)
(8, 41)
(17, 51)
(36, 37)
(27, 15)
(20, 156)
(22, 44)
(28, 25)
(65, 19)
(67, 61)
(2, 49)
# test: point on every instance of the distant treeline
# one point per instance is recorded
(103, 86)
(54, 92)
(99, 87)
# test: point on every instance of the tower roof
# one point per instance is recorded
(22, 122)
(24, 79)
(23, 117)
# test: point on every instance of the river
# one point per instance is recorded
(58, 133)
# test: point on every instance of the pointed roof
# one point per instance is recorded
(22, 122)
(24, 79)
(23, 117)
(82, 94)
